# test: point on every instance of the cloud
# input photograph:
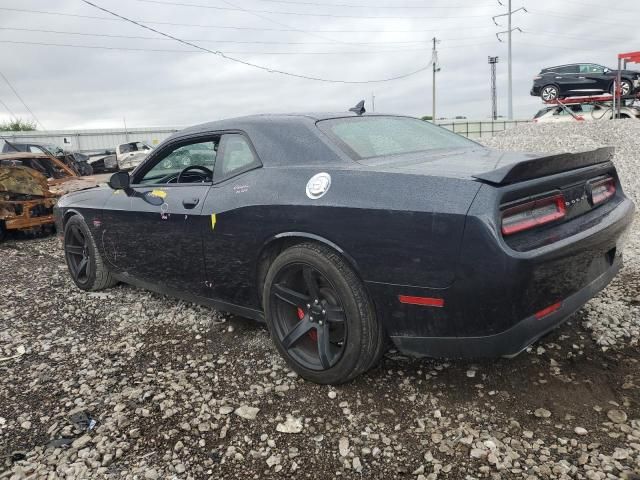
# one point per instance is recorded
(90, 88)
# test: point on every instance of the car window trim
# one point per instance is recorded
(257, 163)
(157, 157)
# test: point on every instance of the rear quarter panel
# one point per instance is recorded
(395, 228)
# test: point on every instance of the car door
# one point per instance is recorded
(591, 79)
(567, 78)
(231, 239)
(152, 231)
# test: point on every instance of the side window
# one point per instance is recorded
(236, 155)
(199, 157)
(569, 69)
(35, 149)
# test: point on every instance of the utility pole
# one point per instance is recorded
(510, 29)
(494, 98)
(436, 68)
(373, 102)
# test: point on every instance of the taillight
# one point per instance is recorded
(537, 77)
(533, 214)
(602, 190)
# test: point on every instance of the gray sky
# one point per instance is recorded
(92, 88)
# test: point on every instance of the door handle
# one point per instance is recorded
(190, 202)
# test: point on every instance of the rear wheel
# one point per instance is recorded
(320, 316)
(549, 93)
(83, 259)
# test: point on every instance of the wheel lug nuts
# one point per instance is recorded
(324, 311)
(308, 305)
(320, 322)
(316, 300)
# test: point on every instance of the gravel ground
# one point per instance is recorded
(129, 384)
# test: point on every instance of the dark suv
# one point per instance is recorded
(580, 79)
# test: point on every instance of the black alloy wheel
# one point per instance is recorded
(309, 318)
(320, 316)
(76, 248)
(86, 267)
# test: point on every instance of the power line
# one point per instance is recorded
(21, 100)
(305, 14)
(228, 27)
(6, 107)
(546, 14)
(164, 50)
(261, 42)
(394, 7)
(254, 65)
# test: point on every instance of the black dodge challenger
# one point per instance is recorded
(346, 231)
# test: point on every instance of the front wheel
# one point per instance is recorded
(625, 88)
(83, 259)
(320, 316)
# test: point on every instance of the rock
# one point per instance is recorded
(471, 373)
(331, 394)
(478, 453)
(225, 410)
(357, 465)
(80, 443)
(580, 431)
(617, 416)
(542, 413)
(180, 468)
(274, 460)
(343, 446)
(291, 425)
(246, 412)
(151, 474)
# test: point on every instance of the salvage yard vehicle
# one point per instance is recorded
(580, 79)
(30, 185)
(130, 155)
(582, 112)
(343, 231)
(78, 162)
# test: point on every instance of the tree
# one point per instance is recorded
(17, 125)
(427, 118)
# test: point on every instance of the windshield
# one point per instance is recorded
(368, 137)
(54, 149)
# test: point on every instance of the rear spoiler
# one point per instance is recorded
(543, 166)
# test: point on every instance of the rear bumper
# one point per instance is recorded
(490, 308)
(511, 341)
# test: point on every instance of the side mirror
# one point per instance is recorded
(606, 70)
(120, 181)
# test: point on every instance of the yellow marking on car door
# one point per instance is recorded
(159, 193)
(213, 221)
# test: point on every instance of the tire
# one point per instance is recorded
(86, 169)
(329, 339)
(84, 262)
(549, 93)
(3, 231)
(626, 87)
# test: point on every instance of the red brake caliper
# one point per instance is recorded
(312, 333)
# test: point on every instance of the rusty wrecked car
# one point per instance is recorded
(30, 185)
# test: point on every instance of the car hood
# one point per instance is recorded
(20, 180)
(485, 164)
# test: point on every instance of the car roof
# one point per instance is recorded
(22, 155)
(283, 139)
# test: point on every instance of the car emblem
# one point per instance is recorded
(318, 185)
